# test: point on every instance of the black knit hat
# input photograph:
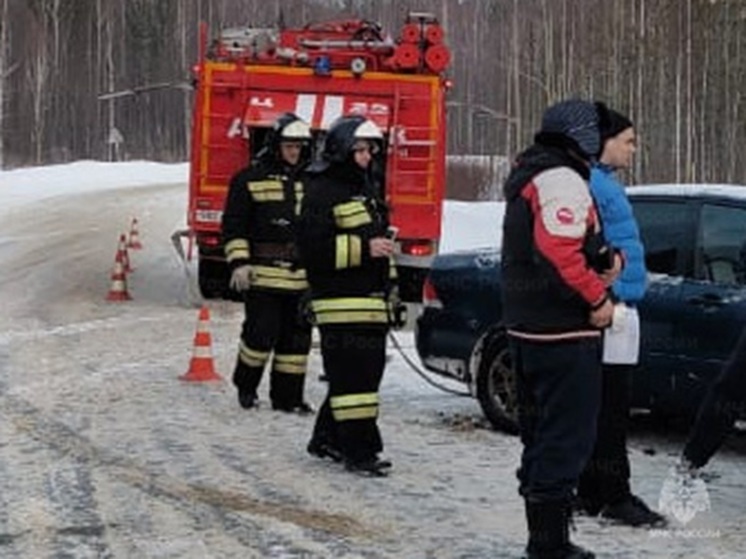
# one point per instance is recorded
(611, 122)
(576, 120)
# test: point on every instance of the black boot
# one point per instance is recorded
(632, 511)
(324, 449)
(301, 409)
(247, 399)
(370, 467)
(548, 532)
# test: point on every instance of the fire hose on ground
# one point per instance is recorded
(196, 298)
(420, 372)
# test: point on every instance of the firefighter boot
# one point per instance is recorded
(246, 399)
(324, 449)
(303, 408)
(548, 532)
(246, 381)
(369, 467)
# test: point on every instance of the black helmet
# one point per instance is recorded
(342, 135)
(287, 127)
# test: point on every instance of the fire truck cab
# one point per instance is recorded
(248, 77)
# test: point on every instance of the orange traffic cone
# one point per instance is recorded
(125, 255)
(202, 367)
(118, 290)
(134, 242)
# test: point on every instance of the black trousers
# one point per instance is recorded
(605, 479)
(272, 322)
(724, 403)
(354, 358)
(559, 388)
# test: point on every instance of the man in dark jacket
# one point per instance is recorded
(555, 304)
(259, 233)
(343, 243)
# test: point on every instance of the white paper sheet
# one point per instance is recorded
(622, 338)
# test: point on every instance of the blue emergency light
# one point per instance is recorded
(322, 66)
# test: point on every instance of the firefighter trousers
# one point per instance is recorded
(273, 322)
(354, 357)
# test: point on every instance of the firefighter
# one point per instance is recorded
(259, 223)
(345, 248)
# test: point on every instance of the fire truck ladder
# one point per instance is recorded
(210, 120)
(421, 136)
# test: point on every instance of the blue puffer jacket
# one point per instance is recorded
(620, 231)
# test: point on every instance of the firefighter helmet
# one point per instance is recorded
(344, 132)
(287, 128)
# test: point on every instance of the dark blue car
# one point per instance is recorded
(692, 314)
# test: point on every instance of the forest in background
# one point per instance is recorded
(677, 67)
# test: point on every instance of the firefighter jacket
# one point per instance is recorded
(341, 212)
(259, 226)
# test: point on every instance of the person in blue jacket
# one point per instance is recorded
(604, 486)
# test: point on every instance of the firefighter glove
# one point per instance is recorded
(241, 278)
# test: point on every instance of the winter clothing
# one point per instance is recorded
(551, 245)
(549, 222)
(632, 511)
(604, 485)
(350, 289)
(605, 479)
(576, 121)
(620, 231)
(259, 235)
(722, 406)
(611, 123)
(558, 386)
(549, 535)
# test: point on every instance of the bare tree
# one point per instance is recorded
(676, 66)
(5, 69)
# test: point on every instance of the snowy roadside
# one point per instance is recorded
(104, 453)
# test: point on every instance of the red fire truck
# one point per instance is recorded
(247, 77)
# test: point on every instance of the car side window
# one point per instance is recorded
(664, 228)
(720, 254)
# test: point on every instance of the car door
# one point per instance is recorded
(666, 228)
(713, 298)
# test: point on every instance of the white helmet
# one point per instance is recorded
(295, 130)
(344, 132)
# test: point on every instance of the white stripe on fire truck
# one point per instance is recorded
(304, 106)
(333, 106)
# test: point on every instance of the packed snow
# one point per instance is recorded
(105, 453)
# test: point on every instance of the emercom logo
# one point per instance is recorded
(683, 495)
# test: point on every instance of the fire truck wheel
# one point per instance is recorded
(212, 278)
(495, 384)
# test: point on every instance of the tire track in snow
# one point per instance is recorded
(8, 537)
(74, 328)
(225, 507)
(81, 531)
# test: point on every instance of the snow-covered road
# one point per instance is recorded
(105, 453)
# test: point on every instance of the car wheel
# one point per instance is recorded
(496, 389)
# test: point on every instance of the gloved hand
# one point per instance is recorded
(241, 278)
